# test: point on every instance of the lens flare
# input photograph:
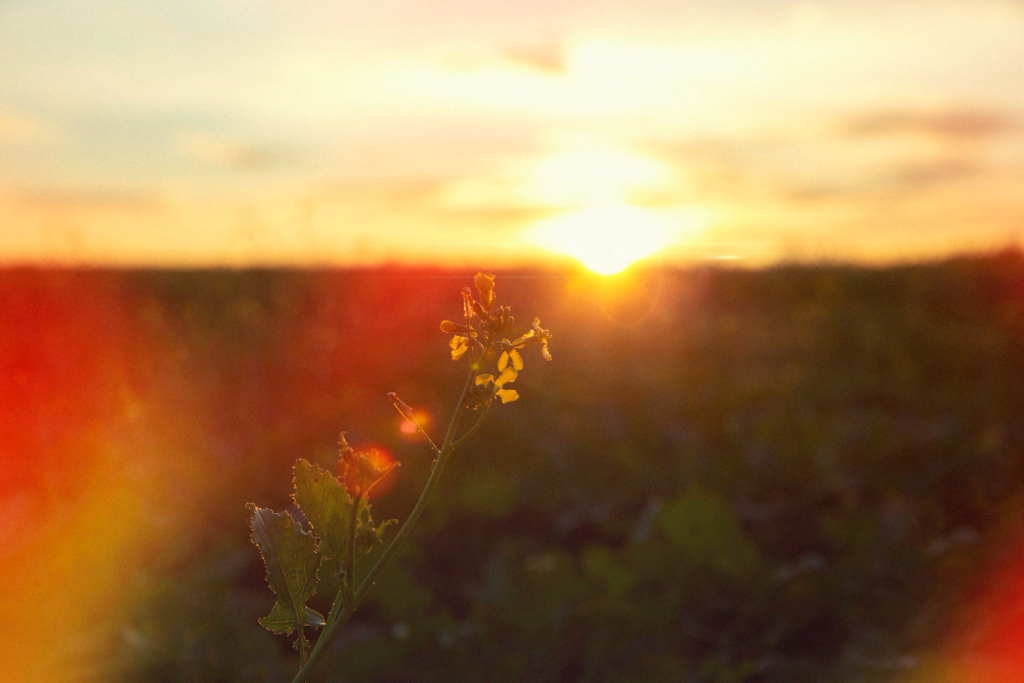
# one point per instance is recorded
(408, 429)
(382, 459)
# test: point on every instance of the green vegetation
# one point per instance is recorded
(799, 474)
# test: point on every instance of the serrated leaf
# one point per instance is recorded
(384, 527)
(290, 556)
(368, 535)
(325, 504)
(282, 620)
(328, 508)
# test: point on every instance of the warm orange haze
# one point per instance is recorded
(340, 133)
(790, 475)
(778, 247)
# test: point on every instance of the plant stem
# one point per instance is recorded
(425, 435)
(447, 447)
(479, 421)
(350, 557)
(339, 599)
(331, 627)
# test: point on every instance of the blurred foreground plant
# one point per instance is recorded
(301, 563)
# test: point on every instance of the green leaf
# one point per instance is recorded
(368, 535)
(328, 508)
(289, 554)
(282, 620)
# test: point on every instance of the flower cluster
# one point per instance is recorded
(482, 337)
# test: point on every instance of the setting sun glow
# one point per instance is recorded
(598, 225)
(607, 239)
(591, 175)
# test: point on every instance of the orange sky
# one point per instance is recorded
(226, 132)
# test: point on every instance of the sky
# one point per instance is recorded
(308, 132)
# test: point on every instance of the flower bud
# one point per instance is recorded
(485, 285)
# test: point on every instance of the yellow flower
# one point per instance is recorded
(537, 335)
(485, 286)
(510, 355)
(481, 334)
(543, 335)
(507, 375)
(459, 346)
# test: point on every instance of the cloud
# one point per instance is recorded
(225, 152)
(71, 200)
(902, 179)
(710, 168)
(429, 198)
(952, 124)
(392, 194)
(416, 216)
(547, 57)
(947, 170)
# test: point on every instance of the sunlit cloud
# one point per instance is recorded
(222, 151)
(88, 199)
(951, 124)
(587, 174)
(548, 57)
(809, 116)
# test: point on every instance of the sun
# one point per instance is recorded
(607, 239)
(594, 185)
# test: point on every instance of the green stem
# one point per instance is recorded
(425, 435)
(339, 600)
(350, 557)
(479, 421)
(338, 617)
(344, 595)
(447, 447)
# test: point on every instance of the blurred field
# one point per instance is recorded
(798, 474)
